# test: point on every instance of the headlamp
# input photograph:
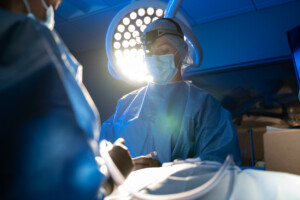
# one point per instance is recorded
(149, 38)
(123, 40)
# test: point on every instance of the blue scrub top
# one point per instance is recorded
(177, 120)
(48, 120)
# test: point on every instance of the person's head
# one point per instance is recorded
(36, 6)
(163, 39)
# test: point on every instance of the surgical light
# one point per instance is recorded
(117, 45)
(154, 18)
(121, 28)
(126, 52)
(141, 12)
(133, 52)
(126, 21)
(133, 15)
(150, 11)
(147, 20)
(135, 34)
(143, 27)
(140, 52)
(123, 40)
(118, 36)
(139, 22)
(132, 43)
(125, 43)
(159, 12)
(138, 40)
(118, 53)
(127, 35)
(131, 28)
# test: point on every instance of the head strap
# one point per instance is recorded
(149, 37)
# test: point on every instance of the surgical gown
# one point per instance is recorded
(177, 120)
(48, 120)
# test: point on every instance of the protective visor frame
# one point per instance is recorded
(149, 38)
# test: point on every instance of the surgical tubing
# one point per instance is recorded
(191, 194)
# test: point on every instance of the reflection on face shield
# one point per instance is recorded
(170, 30)
(149, 38)
(151, 35)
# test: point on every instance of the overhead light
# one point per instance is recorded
(123, 40)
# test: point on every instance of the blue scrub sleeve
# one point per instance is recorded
(44, 152)
(216, 135)
(107, 130)
(111, 127)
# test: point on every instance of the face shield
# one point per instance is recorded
(124, 47)
(172, 31)
(149, 38)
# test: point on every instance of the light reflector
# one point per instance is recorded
(123, 40)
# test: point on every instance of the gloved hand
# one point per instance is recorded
(145, 162)
(122, 159)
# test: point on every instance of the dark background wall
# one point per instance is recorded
(104, 89)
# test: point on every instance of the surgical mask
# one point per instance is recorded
(49, 22)
(161, 67)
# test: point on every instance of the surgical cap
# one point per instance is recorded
(175, 40)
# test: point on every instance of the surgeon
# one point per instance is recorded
(171, 116)
(49, 125)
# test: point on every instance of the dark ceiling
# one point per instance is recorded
(196, 11)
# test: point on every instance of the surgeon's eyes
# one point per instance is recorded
(158, 52)
(162, 52)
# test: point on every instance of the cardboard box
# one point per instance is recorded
(282, 150)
